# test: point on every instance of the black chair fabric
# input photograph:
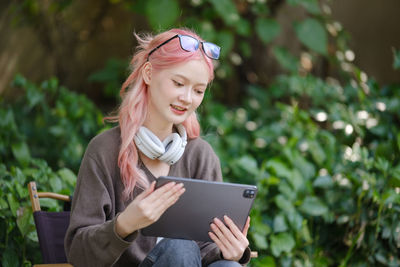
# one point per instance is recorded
(51, 228)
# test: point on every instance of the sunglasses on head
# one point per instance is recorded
(191, 44)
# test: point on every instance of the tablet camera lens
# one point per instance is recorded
(248, 193)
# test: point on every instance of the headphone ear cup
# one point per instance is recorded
(148, 143)
(173, 149)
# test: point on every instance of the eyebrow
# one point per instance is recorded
(186, 79)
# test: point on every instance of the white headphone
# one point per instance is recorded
(169, 151)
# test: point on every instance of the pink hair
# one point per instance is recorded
(133, 109)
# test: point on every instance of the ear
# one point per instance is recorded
(146, 72)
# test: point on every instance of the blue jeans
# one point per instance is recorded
(179, 253)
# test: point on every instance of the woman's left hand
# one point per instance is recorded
(230, 240)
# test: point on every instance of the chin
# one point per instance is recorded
(178, 120)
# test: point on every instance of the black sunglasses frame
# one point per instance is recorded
(179, 36)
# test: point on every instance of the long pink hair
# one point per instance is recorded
(133, 109)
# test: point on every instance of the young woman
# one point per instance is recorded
(115, 194)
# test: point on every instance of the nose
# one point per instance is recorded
(186, 96)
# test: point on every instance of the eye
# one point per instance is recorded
(199, 91)
(177, 83)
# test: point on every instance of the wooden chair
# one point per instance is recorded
(254, 254)
(51, 228)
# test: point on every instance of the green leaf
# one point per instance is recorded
(50, 204)
(33, 95)
(248, 164)
(260, 240)
(295, 220)
(296, 180)
(285, 59)
(23, 220)
(306, 168)
(305, 232)
(162, 14)
(284, 204)
(55, 183)
(313, 206)
(396, 59)
(243, 27)
(57, 130)
(311, 6)
(227, 10)
(313, 35)
(32, 235)
(259, 227)
(282, 242)
(21, 153)
(280, 224)
(12, 203)
(19, 81)
(245, 49)
(317, 152)
(67, 176)
(279, 168)
(3, 204)
(267, 29)
(225, 39)
(323, 182)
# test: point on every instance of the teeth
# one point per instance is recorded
(178, 108)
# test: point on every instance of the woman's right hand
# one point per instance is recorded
(148, 207)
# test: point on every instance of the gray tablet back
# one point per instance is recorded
(190, 217)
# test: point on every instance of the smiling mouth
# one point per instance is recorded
(178, 108)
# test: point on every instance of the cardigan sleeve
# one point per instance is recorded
(91, 238)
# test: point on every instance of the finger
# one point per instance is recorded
(227, 232)
(147, 192)
(159, 209)
(163, 206)
(246, 226)
(218, 242)
(160, 191)
(241, 238)
(232, 226)
(222, 234)
(173, 192)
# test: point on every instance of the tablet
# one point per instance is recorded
(190, 217)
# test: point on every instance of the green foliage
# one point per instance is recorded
(326, 160)
(396, 62)
(60, 124)
(162, 13)
(46, 125)
(111, 76)
(312, 34)
(267, 29)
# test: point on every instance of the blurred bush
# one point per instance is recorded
(43, 136)
(325, 158)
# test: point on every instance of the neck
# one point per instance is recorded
(161, 131)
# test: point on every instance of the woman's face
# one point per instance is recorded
(175, 92)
